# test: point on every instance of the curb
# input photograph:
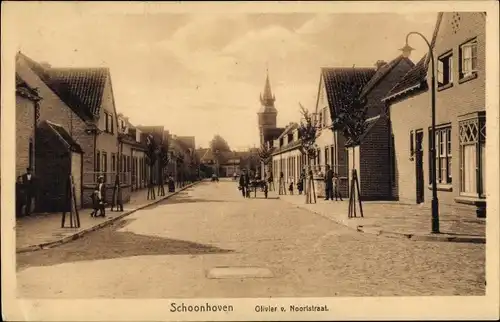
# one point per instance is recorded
(79, 234)
(408, 236)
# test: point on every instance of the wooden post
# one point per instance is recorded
(71, 206)
(354, 191)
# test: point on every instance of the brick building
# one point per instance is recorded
(80, 100)
(330, 98)
(372, 157)
(459, 50)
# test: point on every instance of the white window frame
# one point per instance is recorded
(444, 160)
(448, 57)
(476, 138)
(465, 59)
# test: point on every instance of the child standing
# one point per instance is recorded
(290, 187)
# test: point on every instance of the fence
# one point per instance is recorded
(90, 178)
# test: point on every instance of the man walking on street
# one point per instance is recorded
(29, 183)
(244, 180)
(328, 183)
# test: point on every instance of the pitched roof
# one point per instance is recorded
(80, 88)
(370, 123)
(291, 127)
(384, 71)
(25, 90)
(272, 133)
(413, 79)
(64, 136)
(335, 79)
(417, 76)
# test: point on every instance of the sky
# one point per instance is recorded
(201, 74)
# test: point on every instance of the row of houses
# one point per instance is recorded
(393, 159)
(67, 124)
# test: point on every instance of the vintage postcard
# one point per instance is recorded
(231, 161)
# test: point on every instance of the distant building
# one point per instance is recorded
(459, 46)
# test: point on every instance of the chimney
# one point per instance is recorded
(379, 64)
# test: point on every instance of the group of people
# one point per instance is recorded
(244, 184)
(331, 180)
(331, 185)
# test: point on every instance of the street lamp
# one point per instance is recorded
(435, 203)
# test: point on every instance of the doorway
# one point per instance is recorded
(419, 166)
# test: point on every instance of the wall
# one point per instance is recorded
(25, 120)
(54, 164)
(108, 142)
(290, 171)
(374, 160)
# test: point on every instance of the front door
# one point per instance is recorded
(419, 167)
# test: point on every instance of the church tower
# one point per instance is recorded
(267, 114)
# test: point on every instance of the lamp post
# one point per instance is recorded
(435, 203)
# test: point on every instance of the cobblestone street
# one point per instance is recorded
(171, 250)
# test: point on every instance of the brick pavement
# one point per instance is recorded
(393, 219)
(40, 230)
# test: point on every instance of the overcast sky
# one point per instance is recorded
(201, 74)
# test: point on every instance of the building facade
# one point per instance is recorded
(459, 50)
(27, 113)
(331, 98)
(81, 101)
(372, 156)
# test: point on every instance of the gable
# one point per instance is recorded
(322, 100)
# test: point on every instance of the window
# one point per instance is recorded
(290, 137)
(104, 168)
(472, 138)
(468, 58)
(445, 70)
(113, 162)
(412, 144)
(326, 156)
(108, 120)
(97, 164)
(443, 155)
(30, 154)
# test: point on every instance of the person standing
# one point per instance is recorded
(20, 196)
(328, 183)
(101, 189)
(243, 183)
(336, 191)
(29, 183)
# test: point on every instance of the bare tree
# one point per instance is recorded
(351, 121)
(308, 133)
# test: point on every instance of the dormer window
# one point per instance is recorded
(468, 59)
(290, 137)
(281, 142)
